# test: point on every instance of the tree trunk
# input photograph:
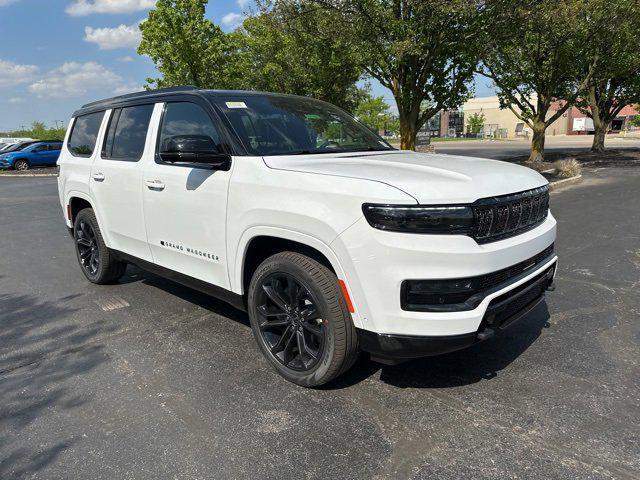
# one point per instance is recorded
(600, 130)
(599, 127)
(408, 132)
(537, 143)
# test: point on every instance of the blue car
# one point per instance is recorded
(35, 155)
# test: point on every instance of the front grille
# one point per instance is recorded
(505, 216)
(495, 278)
(458, 294)
(502, 309)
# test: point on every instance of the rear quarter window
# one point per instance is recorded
(84, 134)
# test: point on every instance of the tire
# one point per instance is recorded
(318, 320)
(96, 261)
(21, 164)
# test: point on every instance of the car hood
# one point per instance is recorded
(427, 177)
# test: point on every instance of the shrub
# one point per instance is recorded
(568, 168)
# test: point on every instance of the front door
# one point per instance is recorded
(185, 205)
(116, 179)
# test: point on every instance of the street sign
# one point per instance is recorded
(423, 140)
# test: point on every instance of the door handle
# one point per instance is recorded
(154, 184)
(98, 177)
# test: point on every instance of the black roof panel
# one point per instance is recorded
(159, 94)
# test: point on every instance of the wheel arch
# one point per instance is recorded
(259, 243)
(76, 201)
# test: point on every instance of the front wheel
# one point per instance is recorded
(21, 164)
(300, 319)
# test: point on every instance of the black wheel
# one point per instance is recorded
(96, 261)
(21, 164)
(300, 319)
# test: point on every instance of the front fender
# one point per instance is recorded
(236, 268)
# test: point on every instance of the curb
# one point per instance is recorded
(565, 181)
(28, 175)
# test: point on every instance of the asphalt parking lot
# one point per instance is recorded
(148, 379)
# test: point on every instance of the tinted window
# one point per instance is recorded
(84, 134)
(55, 146)
(39, 148)
(127, 133)
(184, 118)
(281, 125)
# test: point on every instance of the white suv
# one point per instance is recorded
(333, 241)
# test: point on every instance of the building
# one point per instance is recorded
(447, 123)
(497, 119)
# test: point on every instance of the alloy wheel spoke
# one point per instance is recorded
(283, 322)
(276, 297)
(292, 291)
(310, 313)
(84, 242)
(312, 327)
(304, 349)
(282, 341)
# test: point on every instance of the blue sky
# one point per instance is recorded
(56, 55)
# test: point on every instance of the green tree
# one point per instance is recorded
(38, 131)
(537, 63)
(614, 51)
(374, 112)
(475, 122)
(421, 50)
(293, 47)
(186, 48)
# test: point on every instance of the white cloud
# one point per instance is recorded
(125, 59)
(231, 19)
(16, 100)
(243, 3)
(80, 8)
(124, 89)
(73, 79)
(7, 2)
(14, 74)
(124, 36)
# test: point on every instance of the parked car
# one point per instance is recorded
(36, 154)
(289, 208)
(12, 147)
(6, 141)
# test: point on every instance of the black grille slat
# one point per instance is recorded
(509, 215)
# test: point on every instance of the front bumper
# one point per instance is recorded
(502, 312)
(376, 263)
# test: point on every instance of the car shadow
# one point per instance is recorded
(42, 348)
(483, 361)
(202, 300)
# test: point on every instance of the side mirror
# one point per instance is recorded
(194, 149)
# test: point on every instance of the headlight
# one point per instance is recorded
(443, 219)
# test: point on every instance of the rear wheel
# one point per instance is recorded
(96, 260)
(21, 164)
(300, 319)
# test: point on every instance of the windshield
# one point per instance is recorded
(284, 125)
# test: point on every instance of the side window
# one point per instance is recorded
(55, 146)
(84, 134)
(39, 148)
(185, 119)
(127, 133)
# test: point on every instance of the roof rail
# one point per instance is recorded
(142, 94)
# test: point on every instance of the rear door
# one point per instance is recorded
(185, 205)
(38, 155)
(53, 152)
(116, 179)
